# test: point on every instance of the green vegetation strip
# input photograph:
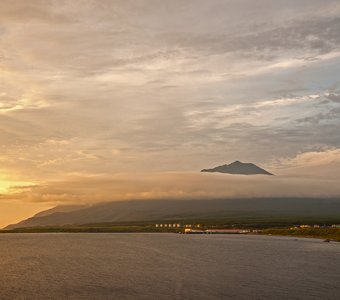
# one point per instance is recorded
(90, 229)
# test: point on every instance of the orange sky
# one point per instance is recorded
(105, 100)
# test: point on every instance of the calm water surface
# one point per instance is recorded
(167, 266)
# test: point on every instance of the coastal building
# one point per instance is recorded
(174, 225)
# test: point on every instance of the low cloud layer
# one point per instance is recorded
(312, 174)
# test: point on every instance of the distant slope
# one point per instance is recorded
(60, 208)
(237, 210)
(240, 168)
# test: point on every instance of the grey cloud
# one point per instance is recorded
(320, 34)
(110, 38)
(329, 117)
(333, 97)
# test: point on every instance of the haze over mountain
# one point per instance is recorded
(239, 168)
(228, 210)
(59, 209)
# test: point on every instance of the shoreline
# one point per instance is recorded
(325, 234)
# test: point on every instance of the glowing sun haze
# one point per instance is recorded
(107, 100)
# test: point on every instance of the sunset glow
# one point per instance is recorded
(110, 100)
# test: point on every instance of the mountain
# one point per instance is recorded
(225, 210)
(59, 208)
(240, 168)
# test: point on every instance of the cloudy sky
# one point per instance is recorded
(105, 100)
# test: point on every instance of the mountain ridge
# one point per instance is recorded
(236, 209)
(238, 168)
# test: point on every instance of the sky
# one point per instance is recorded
(113, 100)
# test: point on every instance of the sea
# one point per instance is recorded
(166, 266)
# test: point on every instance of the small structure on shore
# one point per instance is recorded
(175, 225)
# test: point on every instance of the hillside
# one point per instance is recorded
(230, 210)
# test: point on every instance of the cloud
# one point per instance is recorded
(176, 185)
(333, 97)
(324, 163)
(99, 89)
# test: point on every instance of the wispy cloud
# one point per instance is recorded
(100, 88)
